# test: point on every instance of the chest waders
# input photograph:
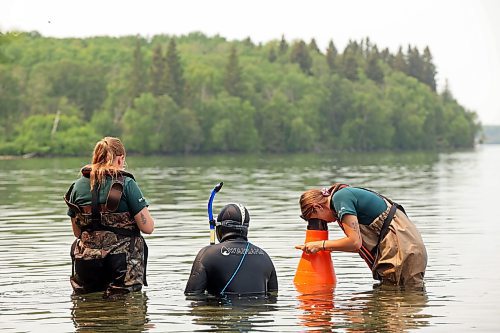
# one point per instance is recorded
(392, 247)
(110, 253)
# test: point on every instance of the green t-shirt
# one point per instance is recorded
(132, 199)
(364, 204)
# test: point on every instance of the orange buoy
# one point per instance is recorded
(315, 272)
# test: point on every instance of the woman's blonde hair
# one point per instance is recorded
(312, 199)
(104, 154)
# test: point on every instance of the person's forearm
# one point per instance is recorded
(343, 244)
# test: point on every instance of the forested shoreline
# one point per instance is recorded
(197, 94)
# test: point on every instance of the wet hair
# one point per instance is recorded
(104, 154)
(233, 220)
(312, 199)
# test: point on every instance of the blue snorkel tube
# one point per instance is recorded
(211, 220)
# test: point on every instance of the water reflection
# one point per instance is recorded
(385, 308)
(241, 314)
(317, 307)
(126, 313)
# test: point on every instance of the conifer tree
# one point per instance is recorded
(399, 61)
(415, 63)
(331, 56)
(300, 55)
(157, 72)
(174, 74)
(232, 78)
(283, 45)
(429, 70)
(271, 56)
(385, 55)
(138, 80)
(313, 46)
(373, 69)
(350, 63)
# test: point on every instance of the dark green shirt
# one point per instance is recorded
(364, 204)
(132, 199)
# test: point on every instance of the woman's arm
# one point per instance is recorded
(144, 221)
(76, 229)
(351, 243)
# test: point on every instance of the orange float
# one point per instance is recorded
(315, 272)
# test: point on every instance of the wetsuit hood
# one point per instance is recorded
(232, 222)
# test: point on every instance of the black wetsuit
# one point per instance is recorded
(215, 264)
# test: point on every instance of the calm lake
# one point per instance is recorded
(451, 197)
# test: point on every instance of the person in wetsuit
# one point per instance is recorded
(375, 227)
(108, 213)
(234, 266)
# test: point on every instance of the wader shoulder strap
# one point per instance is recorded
(115, 193)
(67, 197)
(385, 228)
(146, 253)
(72, 254)
(401, 208)
(96, 211)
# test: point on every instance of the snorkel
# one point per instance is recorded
(211, 220)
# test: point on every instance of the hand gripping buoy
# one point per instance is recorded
(315, 272)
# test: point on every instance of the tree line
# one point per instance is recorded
(199, 94)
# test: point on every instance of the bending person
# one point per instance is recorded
(234, 266)
(108, 213)
(374, 226)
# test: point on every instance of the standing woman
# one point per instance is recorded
(108, 213)
(375, 227)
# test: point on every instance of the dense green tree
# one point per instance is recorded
(300, 55)
(232, 77)
(283, 45)
(350, 65)
(272, 56)
(147, 126)
(273, 121)
(366, 125)
(313, 46)
(158, 84)
(138, 78)
(175, 74)
(82, 84)
(232, 128)
(186, 134)
(35, 136)
(399, 61)
(373, 69)
(415, 63)
(429, 70)
(10, 103)
(331, 56)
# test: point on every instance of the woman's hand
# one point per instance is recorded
(311, 247)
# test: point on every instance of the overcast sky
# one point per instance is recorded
(463, 35)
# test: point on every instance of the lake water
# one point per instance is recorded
(452, 198)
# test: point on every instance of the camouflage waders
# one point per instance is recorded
(110, 254)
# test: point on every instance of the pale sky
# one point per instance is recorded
(463, 35)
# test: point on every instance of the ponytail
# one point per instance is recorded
(103, 157)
